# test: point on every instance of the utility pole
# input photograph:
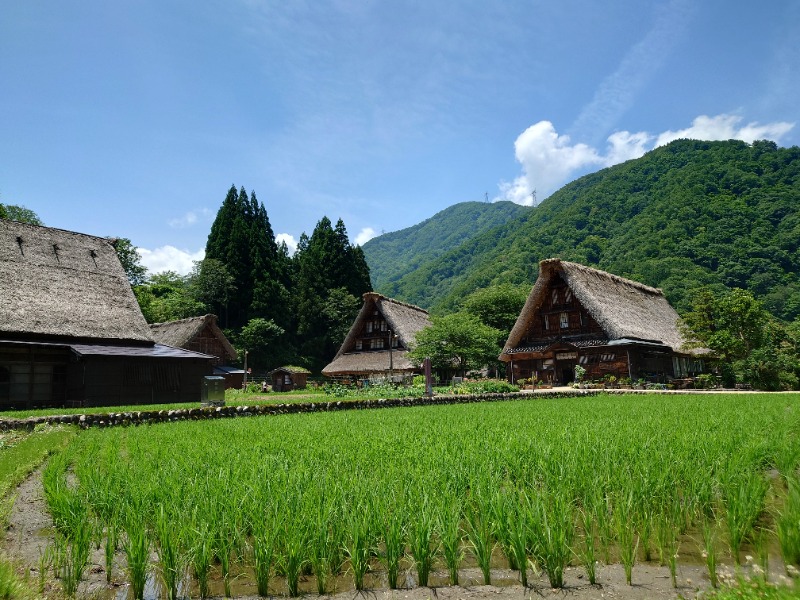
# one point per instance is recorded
(533, 197)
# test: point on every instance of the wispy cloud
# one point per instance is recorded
(190, 218)
(617, 93)
(365, 235)
(549, 160)
(170, 258)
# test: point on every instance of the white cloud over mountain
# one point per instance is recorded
(550, 160)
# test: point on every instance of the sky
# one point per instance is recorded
(133, 119)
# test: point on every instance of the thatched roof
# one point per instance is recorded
(181, 333)
(405, 321)
(291, 370)
(61, 284)
(624, 309)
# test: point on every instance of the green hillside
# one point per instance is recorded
(689, 214)
(393, 256)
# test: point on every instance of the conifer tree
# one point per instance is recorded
(323, 263)
(242, 239)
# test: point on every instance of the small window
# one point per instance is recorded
(377, 344)
(568, 296)
(555, 297)
(546, 323)
(359, 345)
(369, 326)
(607, 357)
(564, 320)
(383, 325)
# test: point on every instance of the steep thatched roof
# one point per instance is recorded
(61, 284)
(624, 309)
(405, 321)
(181, 333)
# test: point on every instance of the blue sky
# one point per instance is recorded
(133, 118)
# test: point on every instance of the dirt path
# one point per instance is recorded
(30, 532)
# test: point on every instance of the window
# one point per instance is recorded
(383, 325)
(546, 323)
(568, 296)
(555, 297)
(564, 320)
(359, 345)
(377, 344)
(369, 326)
(607, 357)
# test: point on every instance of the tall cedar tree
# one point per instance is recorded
(242, 239)
(323, 263)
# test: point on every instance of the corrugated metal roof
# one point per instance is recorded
(144, 351)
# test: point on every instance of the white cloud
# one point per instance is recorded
(725, 127)
(170, 258)
(549, 160)
(288, 238)
(190, 218)
(365, 235)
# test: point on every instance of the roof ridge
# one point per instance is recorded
(375, 295)
(601, 273)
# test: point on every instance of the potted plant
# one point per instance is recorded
(580, 373)
(610, 380)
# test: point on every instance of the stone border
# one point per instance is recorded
(143, 417)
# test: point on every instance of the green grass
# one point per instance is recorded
(753, 590)
(291, 481)
(22, 452)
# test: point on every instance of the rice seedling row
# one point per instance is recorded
(399, 494)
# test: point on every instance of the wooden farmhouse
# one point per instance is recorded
(202, 334)
(286, 379)
(576, 315)
(71, 331)
(379, 339)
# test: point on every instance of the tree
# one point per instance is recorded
(20, 214)
(212, 285)
(262, 339)
(457, 342)
(751, 346)
(339, 310)
(131, 260)
(498, 306)
(242, 239)
(327, 270)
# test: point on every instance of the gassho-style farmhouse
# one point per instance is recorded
(71, 331)
(379, 339)
(576, 315)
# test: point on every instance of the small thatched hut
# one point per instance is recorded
(288, 378)
(576, 315)
(71, 331)
(379, 339)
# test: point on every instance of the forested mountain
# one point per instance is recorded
(393, 256)
(683, 216)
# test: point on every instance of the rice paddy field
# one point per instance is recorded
(408, 497)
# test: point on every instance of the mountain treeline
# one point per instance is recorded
(283, 309)
(684, 217)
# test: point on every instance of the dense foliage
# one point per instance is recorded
(456, 343)
(685, 216)
(20, 214)
(751, 345)
(396, 255)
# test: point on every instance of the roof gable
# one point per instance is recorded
(405, 320)
(181, 333)
(62, 284)
(623, 308)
